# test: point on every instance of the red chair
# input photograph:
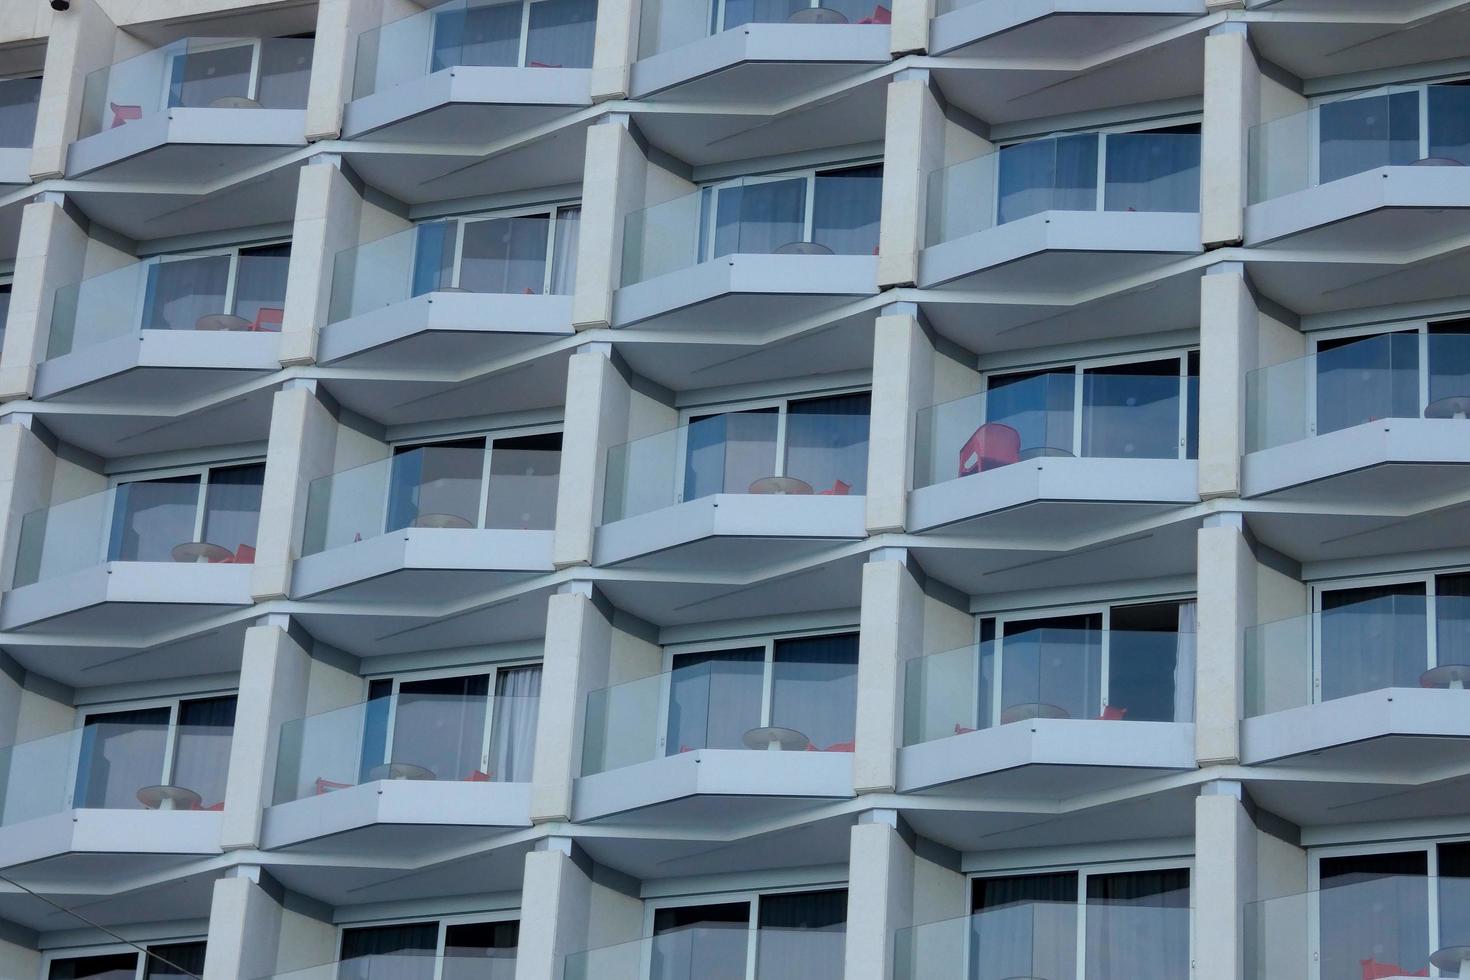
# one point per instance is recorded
(834, 747)
(839, 489)
(212, 809)
(992, 446)
(124, 113)
(245, 555)
(325, 786)
(268, 319)
(1113, 713)
(880, 15)
(1374, 970)
(961, 729)
(479, 776)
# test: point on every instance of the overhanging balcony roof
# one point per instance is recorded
(183, 143)
(139, 367)
(1405, 209)
(1052, 29)
(1392, 462)
(467, 104)
(123, 597)
(398, 820)
(445, 563)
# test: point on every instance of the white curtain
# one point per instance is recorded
(564, 251)
(1184, 661)
(513, 734)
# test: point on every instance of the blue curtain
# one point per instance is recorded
(814, 688)
(714, 699)
(1057, 174)
(1374, 907)
(433, 256)
(1024, 926)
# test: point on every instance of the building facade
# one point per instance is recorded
(723, 489)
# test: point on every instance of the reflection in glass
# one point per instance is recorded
(1131, 410)
(1156, 171)
(121, 752)
(505, 255)
(19, 98)
(260, 285)
(202, 748)
(232, 509)
(1372, 638)
(814, 689)
(701, 942)
(1374, 916)
(440, 725)
(1129, 935)
(1360, 380)
(759, 217)
(202, 75)
(727, 453)
(181, 291)
(560, 33)
(1048, 175)
(1356, 135)
(436, 486)
(845, 210)
(1449, 122)
(151, 517)
(1037, 405)
(827, 442)
(1053, 663)
(714, 699)
(478, 34)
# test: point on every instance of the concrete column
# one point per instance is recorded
(556, 907)
(328, 214)
(339, 23)
(913, 149)
(1226, 587)
(910, 31)
(274, 680)
(303, 439)
(578, 649)
(17, 960)
(880, 894)
(891, 630)
(1228, 328)
(615, 48)
(598, 399)
(1232, 101)
(903, 383)
(244, 928)
(81, 41)
(51, 253)
(27, 468)
(613, 185)
(1224, 880)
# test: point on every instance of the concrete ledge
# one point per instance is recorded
(111, 831)
(467, 85)
(824, 275)
(987, 18)
(1388, 441)
(455, 549)
(1046, 742)
(188, 127)
(1360, 194)
(1407, 711)
(176, 591)
(167, 349)
(397, 802)
(536, 317)
(768, 43)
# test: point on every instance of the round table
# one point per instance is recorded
(1030, 710)
(399, 770)
(200, 552)
(441, 520)
(817, 15)
(1043, 452)
(781, 485)
(1437, 162)
(1455, 958)
(1453, 407)
(776, 739)
(169, 798)
(803, 248)
(1451, 676)
(222, 321)
(234, 102)
(451, 289)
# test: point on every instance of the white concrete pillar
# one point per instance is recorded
(27, 468)
(596, 417)
(20, 961)
(910, 31)
(1226, 587)
(274, 679)
(339, 23)
(303, 439)
(615, 48)
(50, 254)
(903, 383)
(556, 906)
(613, 186)
(328, 214)
(578, 649)
(1232, 100)
(244, 928)
(891, 631)
(81, 41)
(1224, 880)
(913, 148)
(1228, 328)
(880, 894)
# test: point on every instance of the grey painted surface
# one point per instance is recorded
(397, 801)
(1360, 447)
(466, 84)
(215, 127)
(1334, 204)
(854, 44)
(115, 586)
(192, 350)
(1393, 711)
(470, 549)
(840, 275)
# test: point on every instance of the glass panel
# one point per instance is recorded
(727, 453)
(4, 311)
(1152, 172)
(738, 12)
(705, 942)
(523, 482)
(480, 951)
(961, 199)
(402, 952)
(1359, 134)
(1374, 916)
(1452, 619)
(759, 217)
(1372, 639)
(1048, 175)
(1362, 380)
(19, 98)
(181, 291)
(285, 72)
(1138, 925)
(845, 210)
(827, 443)
(814, 689)
(202, 748)
(484, 34)
(1038, 407)
(1131, 410)
(505, 255)
(708, 948)
(714, 699)
(513, 735)
(175, 960)
(564, 255)
(152, 517)
(122, 752)
(439, 725)
(802, 936)
(1151, 661)
(151, 295)
(560, 33)
(1051, 668)
(436, 486)
(1449, 122)
(1454, 896)
(37, 778)
(200, 77)
(1191, 422)
(1449, 369)
(232, 510)
(260, 286)
(112, 966)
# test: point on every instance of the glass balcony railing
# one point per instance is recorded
(1099, 939)
(1390, 637)
(826, 455)
(1364, 922)
(1390, 376)
(1415, 126)
(665, 26)
(449, 738)
(1083, 172)
(244, 291)
(756, 216)
(1136, 411)
(434, 487)
(470, 963)
(476, 33)
(709, 952)
(19, 98)
(525, 255)
(1118, 675)
(199, 73)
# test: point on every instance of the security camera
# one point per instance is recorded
(60, 5)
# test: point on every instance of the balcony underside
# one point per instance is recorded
(1407, 731)
(115, 890)
(467, 104)
(152, 365)
(1391, 209)
(160, 651)
(445, 563)
(761, 62)
(1061, 252)
(184, 144)
(459, 861)
(126, 598)
(715, 844)
(397, 820)
(110, 430)
(1363, 36)
(1320, 803)
(1054, 29)
(77, 843)
(1398, 463)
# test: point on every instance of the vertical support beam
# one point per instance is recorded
(556, 909)
(27, 468)
(339, 23)
(578, 648)
(274, 676)
(19, 961)
(1226, 586)
(51, 253)
(613, 184)
(913, 149)
(880, 890)
(1232, 101)
(615, 48)
(1228, 329)
(891, 630)
(303, 439)
(903, 383)
(1224, 880)
(244, 927)
(909, 33)
(596, 417)
(81, 42)
(328, 213)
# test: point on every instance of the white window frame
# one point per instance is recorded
(193, 46)
(171, 743)
(717, 14)
(1079, 369)
(552, 211)
(709, 201)
(201, 500)
(1314, 148)
(525, 36)
(491, 437)
(232, 276)
(1418, 326)
(444, 923)
(111, 949)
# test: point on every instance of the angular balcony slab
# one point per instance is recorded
(1403, 463)
(1362, 36)
(417, 863)
(735, 291)
(146, 840)
(725, 786)
(109, 429)
(133, 598)
(1389, 209)
(184, 144)
(1053, 29)
(438, 563)
(1400, 731)
(397, 819)
(761, 62)
(158, 365)
(467, 104)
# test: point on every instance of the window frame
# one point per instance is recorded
(232, 275)
(402, 446)
(1421, 90)
(171, 743)
(140, 970)
(552, 211)
(201, 500)
(443, 922)
(524, 38)
(709, 192)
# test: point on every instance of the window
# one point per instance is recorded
(416, 950)
(514, 33)
(719, 699)
(242, 289)
(181, 747)
(1420, 371)
(735, 13)
(269, 72)
(826, 212)
(163, 960)
(531, 253)
(4, 311)
(1125, 924)
(210, 515)
(19, 100)
(788, 936)
(1396, 126)
(506, 482)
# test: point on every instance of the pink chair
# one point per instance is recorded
(834, 747)
(993, 445)
(325, 786)
(125, 113)
(268, 319)
(839, 489)
(479, 776)
(1374, 970)
(1113, 713)
(961, 729)
(880, 15)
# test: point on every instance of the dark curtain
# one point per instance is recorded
(523, 482)
(827, 442)
(404, 952)
(113, 966)
(1143, 662)
(1449, 356)
(701, 942)
(1374, 908)
(1452, 618)
(1138, 925)
(814, 688)
(560, 33)
(260, 284)
(758, 217)
(121, 752)
(1024, 926)
(175, 960)
(802, 936)
(202, 753)
(845, 209)
(1131, 411)
(480, 951)
(714, 699)
(1362, 379)
(1373, 638)
(232, 508)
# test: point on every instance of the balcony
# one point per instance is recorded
(1017, 218)
(462, 958)
(19, 98)
(181, 329)
(747, 489)
(1075, 30)
(448, 765)
(767, 731)
(724, 50)
(751, 251)
(145, 786)
(717, 949)
(1047, 698)
(198, 106)
(141, 560)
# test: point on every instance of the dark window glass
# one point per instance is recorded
(814, 689)
(714, 699)
(404, 952)
(114, 966)
(701, 942)
(1138, 925)
(175, 960)
(1374, 912)
(1373, 638)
